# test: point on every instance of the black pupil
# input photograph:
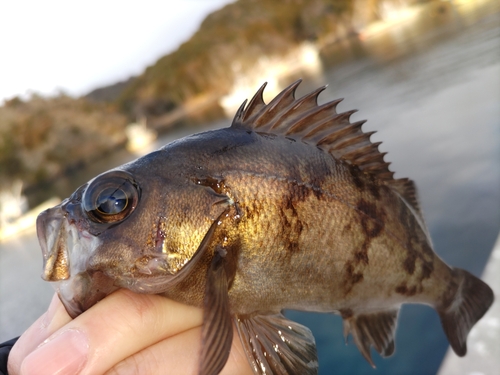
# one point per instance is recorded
(111, 201)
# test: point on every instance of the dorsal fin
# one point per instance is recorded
(320, 125)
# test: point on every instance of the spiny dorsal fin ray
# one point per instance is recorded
(320, 125)
(256, 103)
(267, 117)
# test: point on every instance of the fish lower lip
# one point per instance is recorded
(82, 291)
(73, 308)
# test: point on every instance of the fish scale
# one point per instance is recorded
(292, 207)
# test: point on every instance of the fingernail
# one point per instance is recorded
(63, 354)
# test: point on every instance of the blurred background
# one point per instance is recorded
(85, 87)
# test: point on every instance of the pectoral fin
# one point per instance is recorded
(217, 328)
(276, 345)
(375, 329)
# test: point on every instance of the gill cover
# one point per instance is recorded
(179, 235)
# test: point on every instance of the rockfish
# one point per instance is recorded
(291, 207)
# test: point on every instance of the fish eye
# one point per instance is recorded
(111, 201)
(111, 197)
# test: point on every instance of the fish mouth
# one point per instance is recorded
(65, 249)
(66, 252)
(51, 226)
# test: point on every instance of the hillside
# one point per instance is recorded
(42, 137)
(228, 43)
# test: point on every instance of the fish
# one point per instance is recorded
(291, 207)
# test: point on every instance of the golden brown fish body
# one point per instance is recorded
(291, 207)
(294, 206)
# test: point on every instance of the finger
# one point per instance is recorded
(54, 318)
(115, 328)
(179, 354)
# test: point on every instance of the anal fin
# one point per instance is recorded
(375, 330)
(276, 345)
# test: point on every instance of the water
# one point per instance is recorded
(438, 114)
(433, 94)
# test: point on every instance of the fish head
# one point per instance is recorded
(126, 228)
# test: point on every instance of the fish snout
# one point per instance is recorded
(66, 252)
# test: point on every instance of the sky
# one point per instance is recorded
(75, 46)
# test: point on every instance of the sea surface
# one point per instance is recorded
(430, 85)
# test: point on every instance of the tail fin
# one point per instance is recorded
(472, 299)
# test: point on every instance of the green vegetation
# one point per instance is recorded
(41, 138)
(237, 34)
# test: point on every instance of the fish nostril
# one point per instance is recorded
(72, 209)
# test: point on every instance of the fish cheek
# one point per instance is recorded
(175, 234)
(115, 256)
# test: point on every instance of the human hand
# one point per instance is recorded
(125, 333)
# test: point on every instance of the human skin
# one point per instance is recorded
(126, 333)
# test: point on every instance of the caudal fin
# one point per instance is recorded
(472, 299)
